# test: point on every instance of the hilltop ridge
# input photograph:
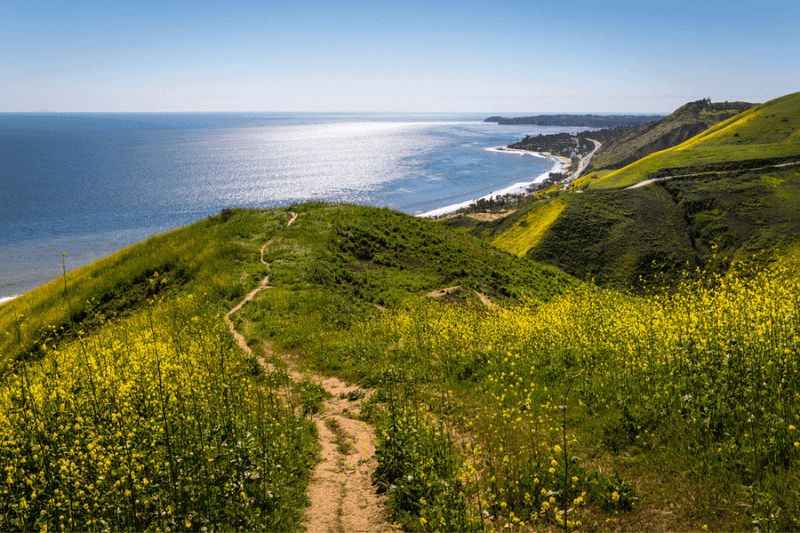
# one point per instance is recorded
(768, 131)
(625, 145)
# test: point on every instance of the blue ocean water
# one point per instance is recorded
(87, 184)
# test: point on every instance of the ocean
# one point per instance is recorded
(87, 184)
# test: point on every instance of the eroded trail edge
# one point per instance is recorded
(341, 494)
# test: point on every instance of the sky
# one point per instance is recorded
(399, 56)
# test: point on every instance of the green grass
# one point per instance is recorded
(129, 380)
(529, 229)
(622, 236)
(126, 404)
(741, 216)
(379, 256)
(468, 404)
(568, 405)
(616, 237)
(626, 146)
(218, 254)
(767, 131)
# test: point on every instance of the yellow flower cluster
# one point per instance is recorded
(714, 361)
(149, 423)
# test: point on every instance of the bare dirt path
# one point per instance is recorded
(486, 301)
(341, 494)
(439, 294)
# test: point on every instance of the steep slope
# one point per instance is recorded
(611, 237)
(530, 229)
(621, 147)
(763, 133)
(726, 195)
(213, 254)
(619, 236)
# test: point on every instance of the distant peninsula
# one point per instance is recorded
(587, 121)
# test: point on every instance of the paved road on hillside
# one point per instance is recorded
(645, 183)
(583, 163)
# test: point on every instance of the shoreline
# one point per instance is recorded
(6, 299)
(521, 187)
(559, 164)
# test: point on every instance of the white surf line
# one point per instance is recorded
(520, 187)
(6, 299)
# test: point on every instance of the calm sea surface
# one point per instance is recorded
(88, 184)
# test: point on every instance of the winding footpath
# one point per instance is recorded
(340, 493)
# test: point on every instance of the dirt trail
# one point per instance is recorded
(441, 293)
(444, 292)
(341, 492)
(486, 301)
(341, 495)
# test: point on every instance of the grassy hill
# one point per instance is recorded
(619, 236)
(735, 197)
(623, 146)
(521, 398)
(585, 399)
(769, 131)
(117, 392)
(217, 255)
(207, 254)
(615, 238)
(124, 375)
(530, 229)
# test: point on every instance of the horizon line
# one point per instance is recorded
(487, 113)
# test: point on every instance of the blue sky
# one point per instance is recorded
(510, 56)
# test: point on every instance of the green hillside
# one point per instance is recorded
(530, 229)
(216, 255)
(501, 392)
(618, 236)
(735, 197)
(766, 132)
(624, 146)
(124, 373)
(462, 386)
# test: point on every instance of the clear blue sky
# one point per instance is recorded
(404, 55)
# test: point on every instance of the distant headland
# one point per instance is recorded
(587, 121)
